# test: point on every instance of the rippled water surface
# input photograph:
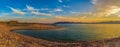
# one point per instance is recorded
(76, 32)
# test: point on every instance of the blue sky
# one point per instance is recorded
(62, 6)
(43, 8)
(59, 10)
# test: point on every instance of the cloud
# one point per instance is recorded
(72, 19)
(44, 14)
(113, 10)
(73, 12)
(30, 8)
(60, 1)
(66, 6)
(65, 18)
(4, 14)
(58, 10)
(60, 17)
(94, 1)
(38, 13)
(17, 11)
(106, 8)
(44, 9)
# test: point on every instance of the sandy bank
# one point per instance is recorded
(11, 39)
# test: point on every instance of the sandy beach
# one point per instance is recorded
(11, 39)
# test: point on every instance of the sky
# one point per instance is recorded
(49, 11)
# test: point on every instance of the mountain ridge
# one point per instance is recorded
(105, 22)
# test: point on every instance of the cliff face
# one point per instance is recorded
(11, 39)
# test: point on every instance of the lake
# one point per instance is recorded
(76, 32)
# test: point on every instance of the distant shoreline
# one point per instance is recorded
(87, 23)
(107, 22)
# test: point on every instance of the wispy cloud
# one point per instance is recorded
(106, 8)
(60, 17)
(44, 14)
(30, 8)
(60, 1)
(36, 13)
(65, 18)
(17, 11)
(94, 1)
(103, 10)
(75, 12)
(39, 13)
(66, 6)
(58, 10)
(44, 9)
(3, 14)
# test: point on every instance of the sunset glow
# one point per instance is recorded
(60, 10)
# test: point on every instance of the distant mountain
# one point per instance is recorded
(106, 22)
(109, 22)
(68, 23)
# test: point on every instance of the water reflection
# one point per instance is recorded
(77, 32)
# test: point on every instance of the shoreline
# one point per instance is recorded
(12, 39)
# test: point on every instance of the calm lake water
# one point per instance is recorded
(76, 32)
